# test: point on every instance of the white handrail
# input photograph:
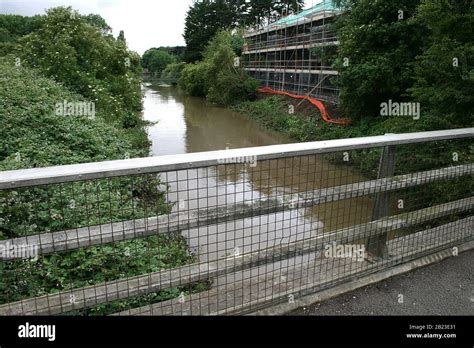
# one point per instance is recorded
(147, 165)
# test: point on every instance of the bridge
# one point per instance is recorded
(245, 231)
(159, 80)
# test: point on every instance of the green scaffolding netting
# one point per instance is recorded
(326, 5)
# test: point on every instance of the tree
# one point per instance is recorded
(286, 7)
(99, 22)
(121, 36)
(177, 51)
(156, 60)
(444, 73)
(193, 79)
(173, 71)
(263, 12)
(379, 41)
(12, 28)
(71, 50)
(217, 77)
(15, 26)
(205, 18)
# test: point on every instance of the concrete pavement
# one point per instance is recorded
(444, 288)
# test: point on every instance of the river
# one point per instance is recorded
(189, 124)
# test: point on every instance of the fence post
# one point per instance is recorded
(377, 245)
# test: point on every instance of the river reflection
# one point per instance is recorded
(187, 124)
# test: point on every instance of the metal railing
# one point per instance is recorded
(229, 231)
(150, 78)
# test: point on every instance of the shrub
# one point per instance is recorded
(193, 79)
(217, 77)
(173, 71)
(86, 59)
(33, 135)
(231, 87)
(156, 60)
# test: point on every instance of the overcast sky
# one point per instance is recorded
(146, 23)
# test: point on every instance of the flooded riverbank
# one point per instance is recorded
(188, 124)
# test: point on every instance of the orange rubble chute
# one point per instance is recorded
(315, 102)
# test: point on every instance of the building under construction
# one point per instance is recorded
(295, 53)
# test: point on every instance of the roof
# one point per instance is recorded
(325, 5)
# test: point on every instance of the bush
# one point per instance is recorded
(33, 135)
(31, 128)
(231, 87)
(68, 48)
(216, 77)
(173, 71)
(156, 60)
(193, 79)
(69, 57)
(380, 50)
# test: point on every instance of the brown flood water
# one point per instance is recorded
(188, 124)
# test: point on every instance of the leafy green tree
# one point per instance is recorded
(194, 80)
(263, 12)
(286, 7)
(218, 77)
(379, 41)
(156, 60)
(121, 36)
(15, 26)
(99, 22)
(177, 51)
(237, 41)
(12, 28)
(205, 18)
(173, 71)
(86, 59)
(444, 73)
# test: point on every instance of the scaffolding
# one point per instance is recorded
(294, 54)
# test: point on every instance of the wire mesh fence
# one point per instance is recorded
(228, 232)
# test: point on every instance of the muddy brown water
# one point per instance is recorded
(189, 124)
